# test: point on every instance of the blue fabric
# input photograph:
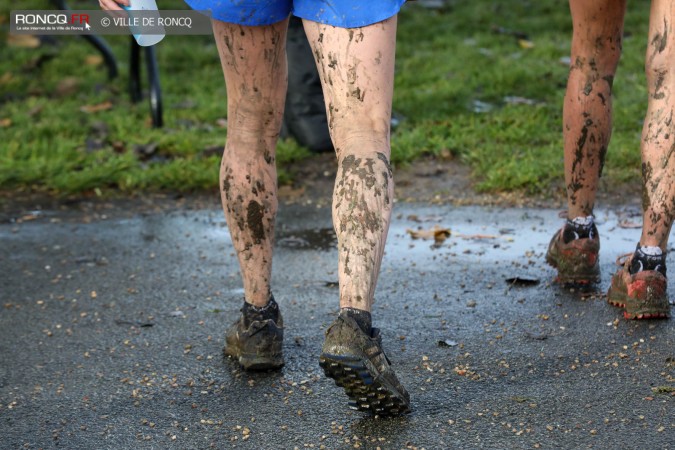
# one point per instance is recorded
(339, 13)
(347, 13)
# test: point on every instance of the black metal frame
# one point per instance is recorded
(152, 68)
(135, 71)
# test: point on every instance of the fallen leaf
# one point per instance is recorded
(33, 215)
(416, 218)
(524, 43)
(23, 41)
(445, 154)
(447, 343)
(67, 86)
(629, 224)
(93, 60)
(119, 146)
(436, 233)
(522, 281)
(4, 123)
(6, 78)
(90, 109)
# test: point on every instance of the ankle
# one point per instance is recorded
(648, 258)
(361, 317)
(254, 313)
(582, 227)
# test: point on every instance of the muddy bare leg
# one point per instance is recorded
(356, 68)
(587, 110)
(254, 65)
(658, 134)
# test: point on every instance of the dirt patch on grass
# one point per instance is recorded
(427, 180)
(441, 181)
(435, 181)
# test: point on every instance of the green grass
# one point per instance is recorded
(448, 61)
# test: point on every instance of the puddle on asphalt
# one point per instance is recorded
(507, 236)
(312, 239)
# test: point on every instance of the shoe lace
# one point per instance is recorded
(377, 335)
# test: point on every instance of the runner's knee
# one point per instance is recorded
(596, 54)
(253, 121)
(370, 136)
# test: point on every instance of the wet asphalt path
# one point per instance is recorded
(111, 335)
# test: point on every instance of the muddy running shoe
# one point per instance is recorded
(357, 363)
(576, 258)
(640, 289)
(255, 340)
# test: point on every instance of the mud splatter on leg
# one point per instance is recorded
(587, 110)
(658, 138)
(254, 65)
(356, 68)
(362, 204)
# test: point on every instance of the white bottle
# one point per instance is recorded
(146, 40)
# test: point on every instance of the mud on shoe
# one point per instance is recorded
(641, 291)
(575, 258)
(255, 340)
(358, 364)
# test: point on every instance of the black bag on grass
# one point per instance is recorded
(305, 115)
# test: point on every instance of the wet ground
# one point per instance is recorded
(111, 330)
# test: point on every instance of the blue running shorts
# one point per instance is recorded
(339, 13)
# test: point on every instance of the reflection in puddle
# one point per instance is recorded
(319, 239)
